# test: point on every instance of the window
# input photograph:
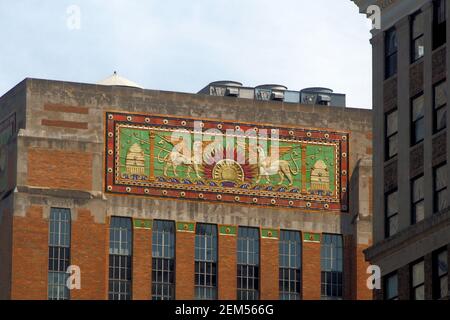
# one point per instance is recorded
(391, 144)
(417, 200)
(391, 287)
(417, 120)
(440, 188)
(418, 281)
(163, 262)
(440, 274)
(391, 207)
(390, 56)
(417, 43)
(59, 254)
(206, 262)
(120, 257)
(440, 107)
(331, 262)
(439, 24)
(248, 264)
(290, 256)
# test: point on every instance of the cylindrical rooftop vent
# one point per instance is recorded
(278, 87)
(226, 83)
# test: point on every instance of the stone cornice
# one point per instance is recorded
(383, 4)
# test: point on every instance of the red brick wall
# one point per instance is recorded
(269, 269)
(349, 290)
(60, 169)
(363, 293)
(227, 271)
(30, 256)
(142, 264)
(89, 251)
(185, 265)
(311, 271)
(5, 254)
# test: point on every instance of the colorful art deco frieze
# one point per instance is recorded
(7, 131)
(220, 161)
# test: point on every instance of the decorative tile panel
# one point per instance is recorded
(220, 161)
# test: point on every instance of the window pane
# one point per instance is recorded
(248, 263)
(441, 177)
(392, 225)
(417, 22)
(419, 211)
(393, 145)
(392, 123)
(391, 42)
(440, 94)
(417, 108)
(332, 266)
(442, 263)
(441, 118)
(59, 253)
(120, 250)
(205, 261)
(442, 200)
(392, 287)
(418, 276)
(290, 264)
(419, 130)
(392, 204)
(419, 48)
(419, 293)
(418, 193)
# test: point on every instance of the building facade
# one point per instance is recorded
(411, 148)
(103, 179)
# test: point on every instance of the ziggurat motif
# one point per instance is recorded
(170, 157)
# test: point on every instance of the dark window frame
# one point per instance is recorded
(332, 266)
(437, 277)
(439, 27)
(420, 120)
(416, 202)
(437, 108)
(206, 259)
(290, 265)
(59, 253)
(386, 213)
(437, 191)
(386, 286)
(416, 39)
(415, 287)
(388, 136)
(390, 54)
(120, 258)
(248, 263)
(163, 260)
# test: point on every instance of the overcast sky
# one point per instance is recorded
(182, 45)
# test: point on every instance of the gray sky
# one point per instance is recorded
(182, 45)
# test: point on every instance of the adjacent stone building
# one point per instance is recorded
(95, 177)
(411, 226)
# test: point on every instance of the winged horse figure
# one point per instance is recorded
(271, 165)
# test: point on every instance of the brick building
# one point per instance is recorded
(411, 226)
(89, 178)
